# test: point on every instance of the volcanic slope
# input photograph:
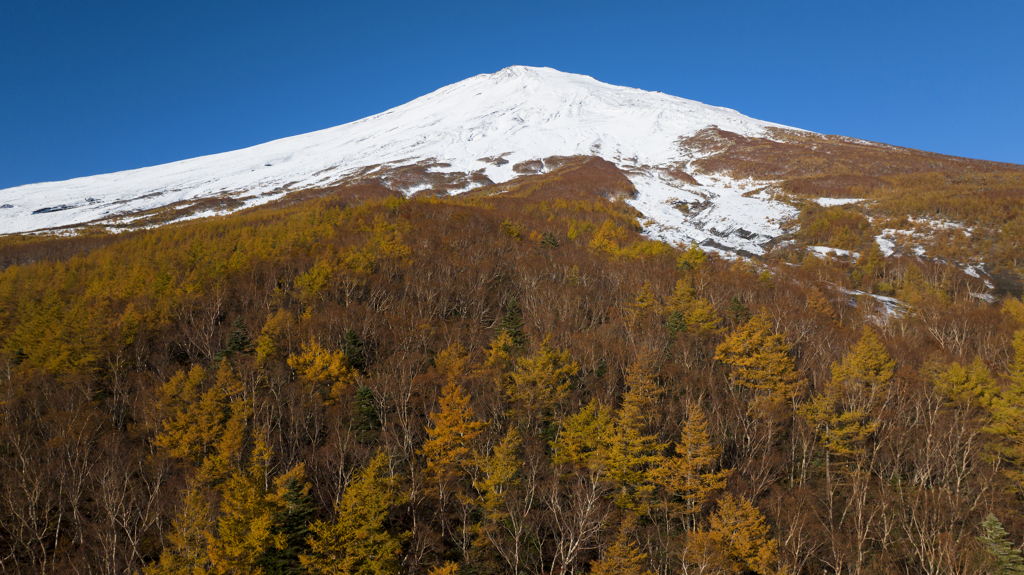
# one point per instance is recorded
(482, 131)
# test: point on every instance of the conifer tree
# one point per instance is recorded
(818, 304)
(702, 316)
(971, 386)
(692, 258)
(365, 419)
(293, 513)
(448, 568)
(540, 383)
(1007, 558)
(738, 312)
(353, 350)
(506, 508)
(691, 312)
(738, 540)
(841, 414)
(512, 324)
(186, 549)
(1014, 308)
(689, 473)
(676, 323)
(622, 557)
(865, 373)
(245, 527)
(548, 240)
(204, 427)
(325, 370)
(358, 542)
(239, 340)
(450, 435)
(178, 399)
(761, 362)
(499, 474)
(1007, 412)
(634, 454)
(274, 330)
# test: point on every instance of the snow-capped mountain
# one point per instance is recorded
(472, 133)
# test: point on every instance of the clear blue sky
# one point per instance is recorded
(95, 86)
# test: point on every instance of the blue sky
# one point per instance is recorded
(95, 86)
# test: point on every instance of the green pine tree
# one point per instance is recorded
(996, 542)
(365, 419)
(676, 323)
(739, 312)
(239, 341)
(512, 324)
(548, 240)
(353, 349)
(358, 541)
(295, 510)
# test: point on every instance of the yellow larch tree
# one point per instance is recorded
(447, 568)
(760, 361)
(448, 450)
(865, 372)
(1007, 418)
(186, 549)
(633, 454)
(322, 369)
(245, 527)
(689, 474)
(622, 557)
(841, 413)
(358, 542)
(690, 312)
(506, 507)
(540, 383)
(738, 540)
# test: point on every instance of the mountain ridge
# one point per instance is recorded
(526, 114)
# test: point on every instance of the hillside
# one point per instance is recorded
(373, 374)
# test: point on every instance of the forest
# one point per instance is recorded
(350, 381)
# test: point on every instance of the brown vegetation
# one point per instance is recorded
(509, 382)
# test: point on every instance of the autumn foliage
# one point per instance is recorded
(511, 382)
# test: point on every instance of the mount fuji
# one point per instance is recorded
(486, 130)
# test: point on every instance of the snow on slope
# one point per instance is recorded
(519, 113)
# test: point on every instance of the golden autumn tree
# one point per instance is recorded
(760, 361)
(841, 413)
(692, 258)
(632, 452)
(689, 312)
(322, 369)
(622, 557)
(358, 542)
(205, 428)
(276, 329)
(612, 447)
(584, 438)
(1007, 418)
(245, 527)
(450, 435)
(865, 372)
(181, 435)
(540, 383)
(688, 476)
(187, 541)
(506, 508)
(737, 540)
(972, 385)
(644, 304)
(448, 568)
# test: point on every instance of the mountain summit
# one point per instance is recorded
(473, 133)
(695, 173)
